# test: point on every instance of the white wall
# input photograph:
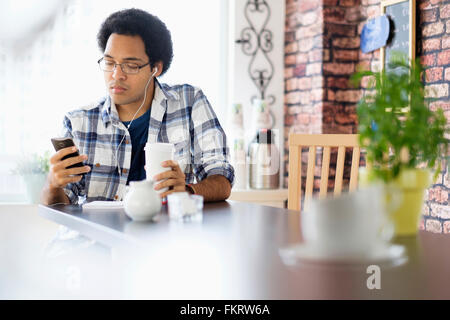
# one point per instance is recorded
(241, 86)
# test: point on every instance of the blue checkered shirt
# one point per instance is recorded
(179, 114)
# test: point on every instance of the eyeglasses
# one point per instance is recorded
(127, 67)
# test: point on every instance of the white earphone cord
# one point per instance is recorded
(116, 161)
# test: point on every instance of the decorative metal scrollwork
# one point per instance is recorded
(256, 42)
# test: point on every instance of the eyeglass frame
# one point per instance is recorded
(120, 64)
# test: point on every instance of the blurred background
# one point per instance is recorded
(48, 66)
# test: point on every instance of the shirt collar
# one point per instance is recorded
(162, 92)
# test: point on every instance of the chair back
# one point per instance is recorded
(313, 141)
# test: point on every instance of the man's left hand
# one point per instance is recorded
(175, 178)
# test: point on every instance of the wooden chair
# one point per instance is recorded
(327, 141)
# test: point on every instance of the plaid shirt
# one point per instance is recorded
(180, 115)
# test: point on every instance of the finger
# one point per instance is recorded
(61, 154)
(170, 163)
(78, 170)
(169, 183)
(165, 194)
(165, 175)
(72, 160)
(71, 179)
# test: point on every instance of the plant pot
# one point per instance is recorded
(34, 184)
(412, 184)
(410, 188)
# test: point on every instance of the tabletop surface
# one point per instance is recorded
(234, 253)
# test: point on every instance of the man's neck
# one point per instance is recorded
(126, 112)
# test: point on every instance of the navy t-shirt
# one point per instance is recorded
(139, 134)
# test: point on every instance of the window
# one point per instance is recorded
(37, 87)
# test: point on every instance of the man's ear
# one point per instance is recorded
(158, 65)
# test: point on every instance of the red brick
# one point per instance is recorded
(425, 5)
(291, 84)
(428, 60)
(315, 55)
(345, 55)
(445, 42)
(431, 44)
(445, 11)
(433, 29)
(304, 45)
(340, 83)
(289, 36)
(330, 2)
(309, 31)
(348, 95)
(367, 82)
(291, 47)
(313, 68)
(331, 96)
(288, 73)
(292, 98)
(339, 68)
(309, 18)
(447, 74)
(307, 5)
(443, 57)
(305, 97)
(344, 118)
(446, 226)
(317, 95)
(303, 118)
(333, 29)
(349, 3)
(289, 59)
(317, 82)
(301, 58)
(334, 14)
(304, 83)
(300, 70)
(428, 15)
(433, 74)
(436, 90)
(346, 43)
(444, 105)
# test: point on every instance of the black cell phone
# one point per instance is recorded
(61, 143)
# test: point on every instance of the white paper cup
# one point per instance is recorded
(155, 154)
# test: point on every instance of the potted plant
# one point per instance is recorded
(33, 169)
(403, 138)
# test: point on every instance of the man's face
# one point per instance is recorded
(125, 88)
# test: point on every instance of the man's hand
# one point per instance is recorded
(59, 176)
(175, 179)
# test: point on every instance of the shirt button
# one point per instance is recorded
(116, 197)
(127, 141)
(97, 165)
(125, 171)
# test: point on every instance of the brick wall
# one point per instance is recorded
(433, 46)
(322, 50)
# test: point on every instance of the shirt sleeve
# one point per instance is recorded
(72, 190)
(210, 150)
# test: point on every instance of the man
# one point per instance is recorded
(111, 134)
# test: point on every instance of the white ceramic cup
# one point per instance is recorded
(349, 224)
(155, 154)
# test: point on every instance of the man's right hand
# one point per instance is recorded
(59, 176)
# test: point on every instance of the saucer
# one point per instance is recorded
(304, 253)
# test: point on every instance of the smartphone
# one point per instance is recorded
(61, 143)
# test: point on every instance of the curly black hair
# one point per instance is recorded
(154, 33)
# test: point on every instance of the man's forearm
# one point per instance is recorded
(213, 188)
(51, 196)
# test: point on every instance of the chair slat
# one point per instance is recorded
(325, 172)
(339, 171)
(294, 180)
(354, 169)
(310, 173)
